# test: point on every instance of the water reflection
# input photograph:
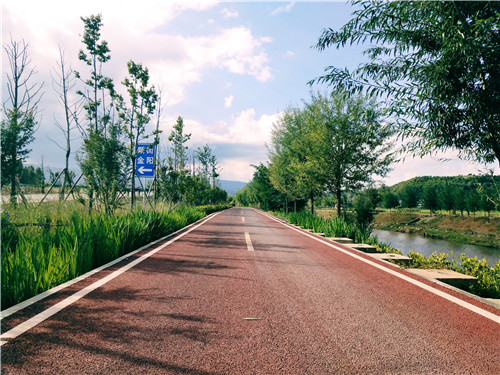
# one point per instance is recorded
(426, 246)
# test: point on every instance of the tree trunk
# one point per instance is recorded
(339, 200)
(312, 202)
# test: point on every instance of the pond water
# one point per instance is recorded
(406, 242)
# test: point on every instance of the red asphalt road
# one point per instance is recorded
(318, 311)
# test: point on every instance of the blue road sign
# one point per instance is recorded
(145, 160)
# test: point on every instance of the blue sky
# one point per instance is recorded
(228, 68)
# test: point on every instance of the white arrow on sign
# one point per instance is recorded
(142, 170)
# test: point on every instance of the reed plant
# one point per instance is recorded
(37, 258)
(334, 227)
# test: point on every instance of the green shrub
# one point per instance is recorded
(488, 278)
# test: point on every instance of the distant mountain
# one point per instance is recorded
(231, 186)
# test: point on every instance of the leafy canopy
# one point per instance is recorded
(437, 63)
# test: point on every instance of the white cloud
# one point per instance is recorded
(226, 13)
(289, 54)
(174, 61)
(234, 49)
(228, 101)
(250, 130)
(245, 128)
(237, 169)
(283, 9)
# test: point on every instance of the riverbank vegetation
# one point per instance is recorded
(488, 276)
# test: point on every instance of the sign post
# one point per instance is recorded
(145, 160)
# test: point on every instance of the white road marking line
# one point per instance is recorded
(249, 241)
(242, 219)
(30, 323)
(11, 310)
(458, 301)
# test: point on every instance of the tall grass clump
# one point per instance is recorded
(35, 259)
(334, 227)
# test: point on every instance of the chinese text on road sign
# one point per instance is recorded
(145, 160)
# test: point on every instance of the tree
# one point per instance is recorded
(436, 63)
(102, 165)
(335, 143)
(20, 109)
(282, 177)
(487, 204)
(459, 203)
(63, 82)
(447, 199)
(103, 157)
(364, 210)
(389, 200)
(203, 155)
(142, 105)
(295, 138)
(409, 197)
(260, 192)
(178, 139)
(473, 202)
(430, 199)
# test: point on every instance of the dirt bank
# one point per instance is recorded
(463, 229)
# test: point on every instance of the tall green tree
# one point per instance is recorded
(102, 162)
(179, 149)
(138, 114)
(203, 155)
(430, 198)
(334, 144)
(354, 141)
(296, 138)
(437, 63)
(409, 196)
(20, 110)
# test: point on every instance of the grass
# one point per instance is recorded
(334, 227)
(37, 258)
(488, 277)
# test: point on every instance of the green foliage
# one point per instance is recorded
(488, 277)
(142, 104)
(436, 65)
(103, 158)
(334, 144)
(208, 169)
(178, 139)
(364, 207)
(335, 227)
(435, 260)
(457, 193)
(34, 259)
(31, 176)
(430, 198)
(103, 165)
(260, 192)
(209, 209)
(389, 200)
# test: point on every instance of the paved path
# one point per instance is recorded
(245, 294)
